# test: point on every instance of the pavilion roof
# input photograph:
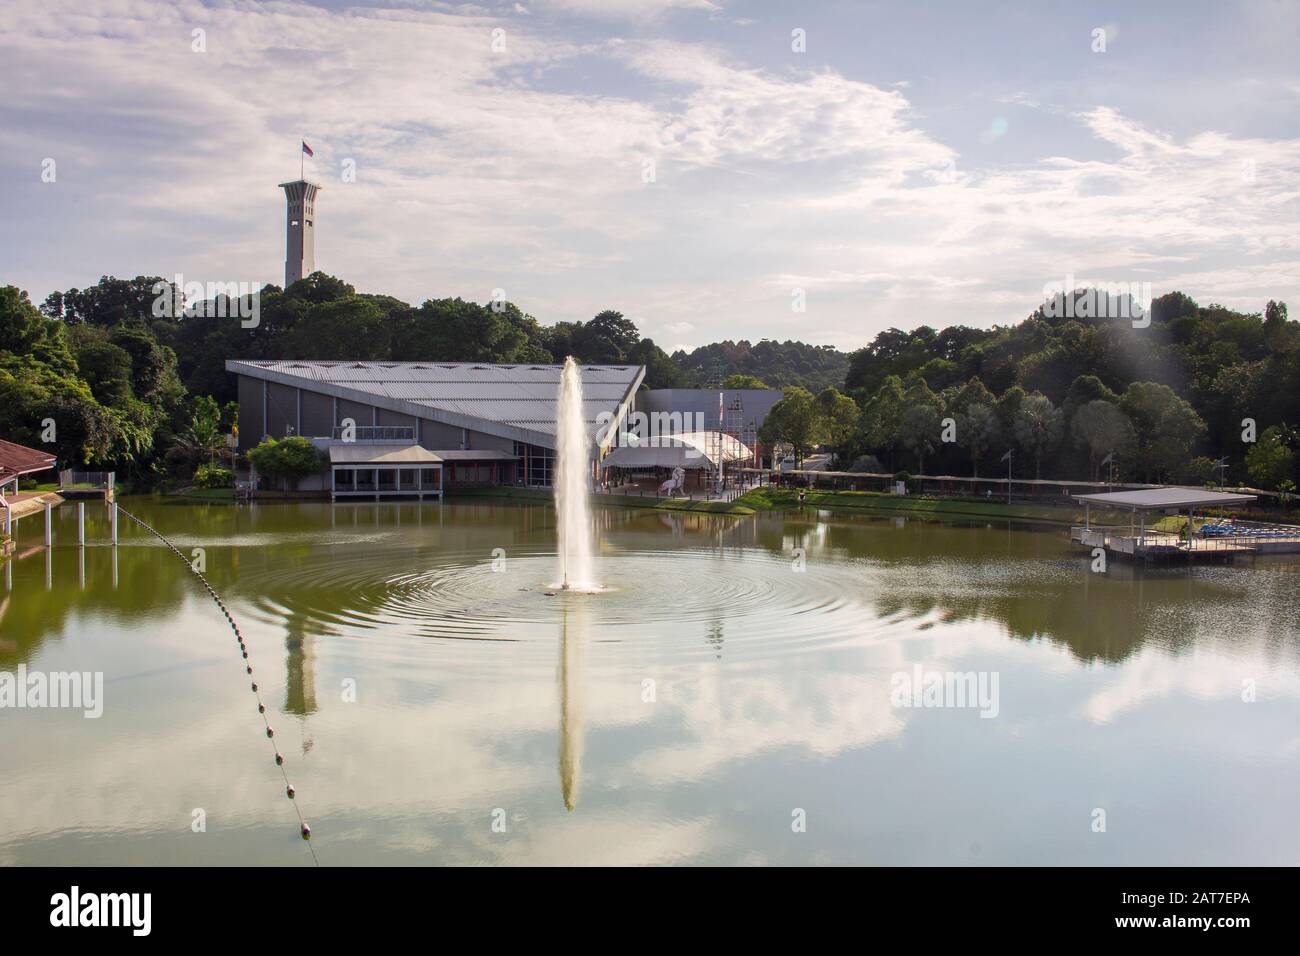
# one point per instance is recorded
(1150, 499)
(18, 460)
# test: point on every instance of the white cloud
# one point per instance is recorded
(514, 169)
(630, 9)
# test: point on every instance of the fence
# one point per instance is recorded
(99, 479)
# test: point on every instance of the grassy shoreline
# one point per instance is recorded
(773, 499)
(784, 499)
(768, 498)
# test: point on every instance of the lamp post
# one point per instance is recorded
(1221, 466)
(1007, 459)
(1108, 460)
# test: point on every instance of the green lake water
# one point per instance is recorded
(731, 697)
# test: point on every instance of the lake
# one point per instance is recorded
(781, 688)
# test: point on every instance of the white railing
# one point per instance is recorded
(375, 433)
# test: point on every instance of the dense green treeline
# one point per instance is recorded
(130, 382)
(779, 364)
(1166, 395)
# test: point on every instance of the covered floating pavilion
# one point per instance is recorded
(1221, 539)
(16, 461)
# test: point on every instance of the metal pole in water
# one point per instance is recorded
(114, 520)
(81, 523)
(49, 524)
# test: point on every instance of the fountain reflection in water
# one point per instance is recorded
(573, 514)
(572, 646)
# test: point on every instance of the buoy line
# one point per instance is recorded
(289, 790)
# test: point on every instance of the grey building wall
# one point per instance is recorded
(250, 412)
(435, 435)
(318, 418)
(359, 413)
(480, 441)
(317, 414)
(281, 410)
(757, 403)
(389, 417)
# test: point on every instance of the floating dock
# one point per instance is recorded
(1219, 540)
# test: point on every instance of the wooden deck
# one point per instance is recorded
(32, 502)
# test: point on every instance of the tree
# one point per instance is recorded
(288, 459)
(1101, 428)
(1037, 428)
(1166, 428)
(201, 441)
(977, 431)
(453, 330)
(1085, 389)
(1270, 461)
(795, 421)
(110, 302)
(608, 338)
(882, 415)
(105, 367)
(660, 370)
(918, 424)
(351, 327)
(779, 364)
(739, 381)
(840, 416)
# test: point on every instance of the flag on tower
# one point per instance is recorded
(1007, 456)
(307, 149)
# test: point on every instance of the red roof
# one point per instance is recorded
(18, 460)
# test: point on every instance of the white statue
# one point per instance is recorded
(676, 483)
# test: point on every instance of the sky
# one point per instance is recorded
(714, 169)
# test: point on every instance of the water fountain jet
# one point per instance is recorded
(572, 468)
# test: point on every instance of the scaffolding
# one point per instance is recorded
(738, 426)
(732, 423)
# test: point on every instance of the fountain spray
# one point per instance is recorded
(573, 461)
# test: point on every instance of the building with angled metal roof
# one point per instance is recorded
(486, 423)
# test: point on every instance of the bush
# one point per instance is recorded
(213, 476)
(290, 459)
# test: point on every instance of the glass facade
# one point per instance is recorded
(538, 464)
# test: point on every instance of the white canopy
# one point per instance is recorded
(687, 450)
(1150, 499)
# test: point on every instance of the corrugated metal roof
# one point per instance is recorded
(16, 459)
(353, 453)
(431, 372)
(1167, 498)
(520, 396)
